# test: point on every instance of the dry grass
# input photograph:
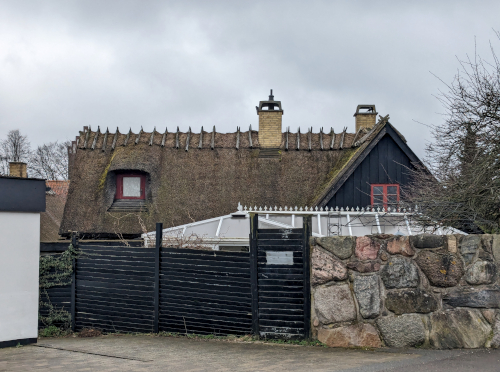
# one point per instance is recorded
(90, 332)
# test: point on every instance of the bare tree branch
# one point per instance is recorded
(15, 147)
(464, 158)
(50, 161)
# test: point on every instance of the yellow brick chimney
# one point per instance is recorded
(270, 115)
(17, 169)
(366, 116)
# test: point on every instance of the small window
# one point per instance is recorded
(130, 186)
(385, 195)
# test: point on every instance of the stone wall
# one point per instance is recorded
(399, 291)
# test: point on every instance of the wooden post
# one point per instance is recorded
(159, 242)
(254, 225)
(74, 243)
(307, 278)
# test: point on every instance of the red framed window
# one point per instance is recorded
(385, 195)
(130, 186)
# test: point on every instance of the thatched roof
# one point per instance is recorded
(55, 200)
(195, 180)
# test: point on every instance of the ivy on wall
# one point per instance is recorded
(55, 271)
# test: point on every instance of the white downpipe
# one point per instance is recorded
(378, 223)
(349, 224)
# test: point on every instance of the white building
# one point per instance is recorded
(21, 202)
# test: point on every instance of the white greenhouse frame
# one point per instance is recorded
(233, 230)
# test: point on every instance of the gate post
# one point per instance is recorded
(254, 225)
(159, 242)
(307, 277)
(74, 243)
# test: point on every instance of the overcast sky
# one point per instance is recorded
(65, 64)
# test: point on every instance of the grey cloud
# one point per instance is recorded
(66, 64)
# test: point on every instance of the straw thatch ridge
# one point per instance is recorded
(96, 140)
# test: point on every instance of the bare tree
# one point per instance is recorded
(462, 189)
(15, 147)
(50, 161)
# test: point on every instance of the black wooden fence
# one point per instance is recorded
(58, 298)
(205, 292)
(119, 288)
(114, 288)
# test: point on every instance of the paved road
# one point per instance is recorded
(153, 353)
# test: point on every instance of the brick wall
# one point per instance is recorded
(270, 129)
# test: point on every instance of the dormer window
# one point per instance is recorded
(130, 186)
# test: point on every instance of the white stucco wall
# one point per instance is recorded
(19, 257)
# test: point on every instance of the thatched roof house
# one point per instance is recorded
(123, 183)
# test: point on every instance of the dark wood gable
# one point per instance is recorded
(386, 160)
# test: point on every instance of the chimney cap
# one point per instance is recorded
(270, 104)
(370, 110)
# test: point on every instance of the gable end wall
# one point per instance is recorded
(386, 163)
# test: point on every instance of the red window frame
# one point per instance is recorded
(384, 193)
(119, 186)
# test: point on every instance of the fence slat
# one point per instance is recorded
(74, 243)
(254, 224)
(159, 241)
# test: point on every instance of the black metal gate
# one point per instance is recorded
(280, 281)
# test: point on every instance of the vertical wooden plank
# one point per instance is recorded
(383, 161)
(307, 280)
(392, 158)
(373, 156)
(159, 242)
(349, 192)
(73, 297)
(74, 243)
(340, 197)
(405, 169)
(332, 202)
(356, 186)
(399, 164)
(254, 224)
(365, 184)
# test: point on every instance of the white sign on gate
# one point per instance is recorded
(279, 258)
